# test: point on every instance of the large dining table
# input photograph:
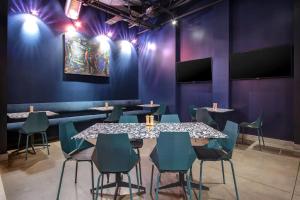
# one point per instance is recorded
(197, 130)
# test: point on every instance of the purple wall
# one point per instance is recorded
(259, 24)
(252, 25)
(157, 67)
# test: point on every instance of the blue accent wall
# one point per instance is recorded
(228, 27)
(35, 62)
(157, 80)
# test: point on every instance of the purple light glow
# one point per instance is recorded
(109, 34)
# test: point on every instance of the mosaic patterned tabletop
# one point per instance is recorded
(141, 131)
(24, 115)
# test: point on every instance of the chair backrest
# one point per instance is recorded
(174, 151)
(172, 118)
(202, 115)
(128, 119)
(259, 121)
(116, 113)
(36, 122)
(66, 132)
(161, 110)
(192, 111)
(231, 130)
(114, 153)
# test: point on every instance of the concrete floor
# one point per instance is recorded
(260, 175)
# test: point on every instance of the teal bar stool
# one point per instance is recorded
(136, 143)
(202, 115)
(114, 154)
(115, 115)
(171, 118)
(219, 150)
(76, 150)
(161, 110)
(192, 112)
(173, 153)
(36, 123)
(257, 125)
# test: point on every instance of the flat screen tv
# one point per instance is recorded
(263, 63)
(194, 71)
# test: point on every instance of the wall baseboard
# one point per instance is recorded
(3, 157)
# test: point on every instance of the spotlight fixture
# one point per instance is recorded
(151, 46)
(77, 24)
(134, 41)
(30, 26)
(174, 22)
(34, 12)
(70, 30)
(109, 34)
(72, 9)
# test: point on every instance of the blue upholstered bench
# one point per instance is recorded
(70, 107)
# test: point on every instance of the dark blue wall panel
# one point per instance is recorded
(35, 62)
(259, 24)
(157, 66)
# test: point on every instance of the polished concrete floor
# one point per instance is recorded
(260, 175)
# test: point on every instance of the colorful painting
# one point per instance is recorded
(86, 57)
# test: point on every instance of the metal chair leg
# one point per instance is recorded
(27, 138)
(19, 142)
(101, 192)
(222, 163)
(200, 179)
(140, 167)
(188, 180)
(130, 190)
(151, 183)
(92, 173)
(46, 139)
(97, 190)
(234, 180)
(262, 136)
(76, 170)
(60, 180)
(32, 143)
(258, 135)
(191, 172)
(157, 186)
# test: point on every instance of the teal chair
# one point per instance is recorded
(114, 154)
(115, 115)
(161, 110)
(219, 150)
(171, 118)
(257, 125)
(76, 150)
(136, 143)
(36, 123)
(202, 115)
(192, 112)
(173, 153)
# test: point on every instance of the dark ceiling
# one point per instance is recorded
(147, 14)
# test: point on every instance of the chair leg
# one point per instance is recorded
(258, 135)
(60, 180)
(234, 180)
(200, 181)
(130, 189)
(19, 142)
(46, 139)
(191, 172)
(32, 143)
(76, 170)
(92, 173)
(97, 190)
(102, 180)
(43, 140)
(27, 138)
(151, 183)
(140, 167)
(138, 179)
(157, 186)
(222, 163)
(262, 136)
(188, 180)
